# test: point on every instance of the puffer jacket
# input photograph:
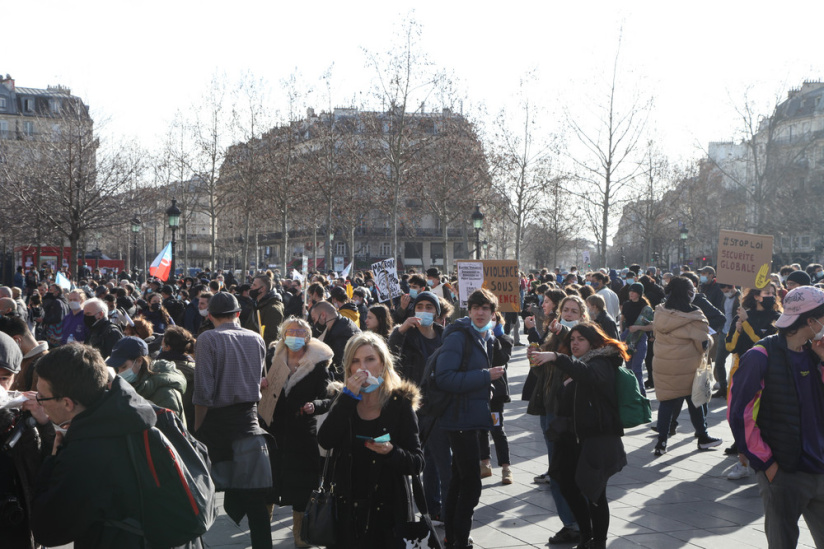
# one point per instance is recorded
(164, 386)
(680, 343)
(470, 407)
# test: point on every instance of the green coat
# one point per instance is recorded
(163, 385)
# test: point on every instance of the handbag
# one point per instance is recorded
(702, 383)
(417, 533)
(320, 518)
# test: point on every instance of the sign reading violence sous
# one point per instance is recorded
(499, 277)
(744, 259)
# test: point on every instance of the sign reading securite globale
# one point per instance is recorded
(744, 259)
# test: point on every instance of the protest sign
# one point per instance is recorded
(499, 277)
(386, 279)
(470, 278)
(744, 259)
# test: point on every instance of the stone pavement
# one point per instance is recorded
(681, 499)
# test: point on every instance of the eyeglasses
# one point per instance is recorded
(41, 400)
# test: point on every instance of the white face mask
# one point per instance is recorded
(74, 305)
(820, 333)
(203, 312)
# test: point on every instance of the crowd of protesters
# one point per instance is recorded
(345, 370)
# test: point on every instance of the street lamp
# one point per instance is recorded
(478, 225)
(136, 223)
(485, 246)
(684, 234)
(173, 214)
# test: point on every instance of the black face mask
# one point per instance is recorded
(254, 293)
(318, 328)
(89, 321)
(155, 306)
(768, 302)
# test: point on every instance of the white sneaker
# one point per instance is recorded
(739, 471)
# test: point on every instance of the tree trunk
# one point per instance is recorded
(284, 227)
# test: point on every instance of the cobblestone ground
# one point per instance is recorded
(682, 499)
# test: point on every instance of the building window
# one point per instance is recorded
(28, 105)
(413, 250)
(4, 129)
(386, 249)
(436, 250)
(54, 105)
(340, 248)
(28, 128)
(2, 103)
(363, 251)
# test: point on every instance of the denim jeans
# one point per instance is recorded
(721, 355)
(561, 505)
(669, 409)
(464, 487)
(636, 362)
(437, 470)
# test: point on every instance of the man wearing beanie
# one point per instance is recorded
(797, 279)
(413, 342)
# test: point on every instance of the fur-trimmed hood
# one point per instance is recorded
(605, 351)
(316, 351)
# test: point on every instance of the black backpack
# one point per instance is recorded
(177, 495)
(435, 400)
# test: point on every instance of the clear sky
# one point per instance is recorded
(137, 63)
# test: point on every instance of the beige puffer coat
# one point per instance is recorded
(679, 347)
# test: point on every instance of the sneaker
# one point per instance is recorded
(721, 393)
(660, 450)
(541, 479)
(739, 471)
(506, 476)
(486, 470)
(706, 442)
(648, 384)
(566, 535)
(732, 450)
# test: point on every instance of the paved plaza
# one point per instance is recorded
(681, 499)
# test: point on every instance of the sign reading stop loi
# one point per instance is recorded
(744, 259)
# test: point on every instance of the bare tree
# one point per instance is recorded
(608, 165)
(405, 79)
(522, 161)
(70, 180)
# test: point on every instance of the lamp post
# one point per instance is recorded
(477, 224)
(173, 213)
(136, 223)
(684, 234)
(485, 247)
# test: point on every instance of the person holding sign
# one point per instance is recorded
(295, 394)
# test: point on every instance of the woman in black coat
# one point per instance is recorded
(298, 374)
(372, 433)
(587, 429)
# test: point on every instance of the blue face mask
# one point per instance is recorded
(430, 282)
(413, 293)
(426, 318)
(372, 386)
(588, 283)
(703, 279)
(489, 326)
(294, 343)
(569, 323)
(541, 299)
(128, 376)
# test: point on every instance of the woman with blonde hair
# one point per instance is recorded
(372, 433)
(297, 376)
(571, 311)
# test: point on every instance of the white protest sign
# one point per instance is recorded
(470, 278)
(386, 279)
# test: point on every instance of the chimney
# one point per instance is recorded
(310, 112)
(8, 81)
